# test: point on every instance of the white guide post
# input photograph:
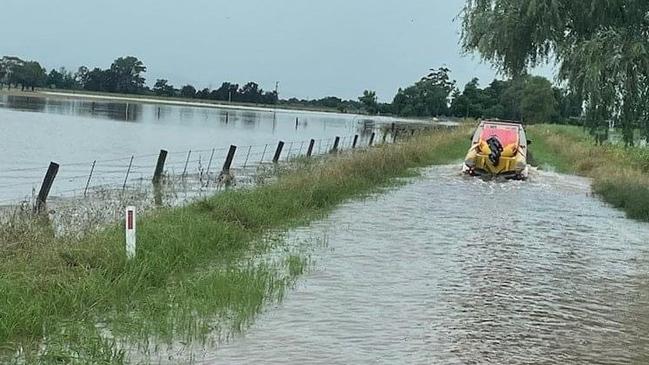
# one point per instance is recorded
(130, 232)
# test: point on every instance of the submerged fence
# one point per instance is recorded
(196, 169)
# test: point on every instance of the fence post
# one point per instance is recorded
(245, 164)
(372, 139)
(41, 201)
(160, 166)
(186, 163)
(394, 136)
(290, 148)
(92, 169)
(309, 151)
(130, 164)
(228, 160)
(335, 147)
(355, 141)
(278, 152)
(263, 154)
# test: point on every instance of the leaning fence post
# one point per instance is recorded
(130, 164)
(372, 139)
(247, 157)
(228, 160)
(394, 136)
(160, 166)
(263, 154)
(290, 148)
(335, 147)
(309, 151)
(209, 165)
(355, 141)
(41, 201)
(92, 169)
(186, 163)
(278, 152)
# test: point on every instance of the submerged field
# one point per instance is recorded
(205, 269)
(620, 175)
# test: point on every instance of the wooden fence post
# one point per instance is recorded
(160, 167)
(309, 151)
(336, 143)
(372, 139)
(355, 141)
(41, 201)
(228, 160)
(278, 152)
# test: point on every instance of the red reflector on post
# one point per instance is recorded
(129, 224)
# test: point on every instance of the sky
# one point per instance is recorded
(314, 48)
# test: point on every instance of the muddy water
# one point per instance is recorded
(449, 270)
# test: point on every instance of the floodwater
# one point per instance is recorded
(452, 270)
(74, 133)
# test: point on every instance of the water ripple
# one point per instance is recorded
(449, 270)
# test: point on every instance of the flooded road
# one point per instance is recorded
(450, 270)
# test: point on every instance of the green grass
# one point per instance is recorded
(620, 175)
(200, 269)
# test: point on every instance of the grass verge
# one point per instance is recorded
(199, 269)
(620, 175)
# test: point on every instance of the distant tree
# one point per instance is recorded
(203, 94)
(162, 88)
(30, 75)
(538, 103)
(430, 96)
(228, 91)
(188, 91)
(127, 72)
(10, 67)
(250, 93)
(99, 80)
(369, 102)
(54, 79)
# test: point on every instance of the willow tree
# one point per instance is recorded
(600, 46)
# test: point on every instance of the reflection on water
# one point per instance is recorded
(450, 270)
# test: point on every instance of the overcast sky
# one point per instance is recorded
(314, 48)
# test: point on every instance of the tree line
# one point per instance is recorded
(125, 75)
(524, 97)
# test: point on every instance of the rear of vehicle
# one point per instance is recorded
(498, 149)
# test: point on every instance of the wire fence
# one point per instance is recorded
(192, 170)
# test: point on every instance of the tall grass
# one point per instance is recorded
(620, 175)
(199, 268)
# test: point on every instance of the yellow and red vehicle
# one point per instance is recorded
(498, 148)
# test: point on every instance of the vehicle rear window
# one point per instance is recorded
(506, 135)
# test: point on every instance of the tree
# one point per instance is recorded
(602, 48)
(188, 91)
(538, 103)
(369, 102)
(9, 66)
(127, 72)
(162, 88)
(430, 96)
(29, 75)
(99, 80)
